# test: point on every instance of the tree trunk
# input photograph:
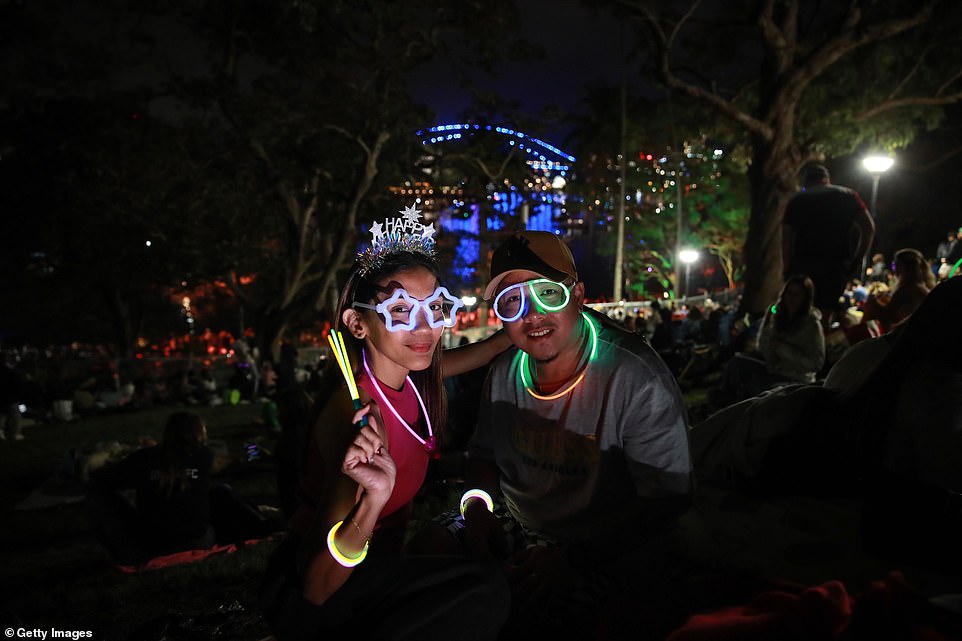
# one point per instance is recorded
(772, 178)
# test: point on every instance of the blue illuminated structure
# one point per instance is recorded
(544, 208)
(443, 133)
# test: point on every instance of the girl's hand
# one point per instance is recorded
(367, 461)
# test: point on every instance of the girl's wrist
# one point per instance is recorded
(376, 499)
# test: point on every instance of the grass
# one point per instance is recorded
(53, 572)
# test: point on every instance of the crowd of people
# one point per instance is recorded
(63, 384)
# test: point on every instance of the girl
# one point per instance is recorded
(913, 284)
(361, 480)
(790, 338)
(791, 347)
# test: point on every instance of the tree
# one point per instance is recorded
(798, 81)
(282, 124)
(330, 125)
(662, 177)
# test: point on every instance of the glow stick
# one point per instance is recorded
(340, 557)
(523, 366)
(344, 363)
(476, 494)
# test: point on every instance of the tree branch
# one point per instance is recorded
(773, 37)
(910, 101)
(663, 44)
(908, 76)
(373, 155)
(790, 28)
(947, 83)
(848, 39)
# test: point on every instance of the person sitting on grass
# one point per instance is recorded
(791, 346)
(914, 281)
(171, 512)
(579, 465)
(341, 571)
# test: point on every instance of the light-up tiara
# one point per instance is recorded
(405, 233)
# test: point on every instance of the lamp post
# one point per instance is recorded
(618, 293)
(687, 256)
(876, 165)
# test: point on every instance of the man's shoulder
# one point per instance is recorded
(821, 192)
(622, 339)
(624, 350)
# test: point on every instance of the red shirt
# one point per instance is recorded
(410, 456)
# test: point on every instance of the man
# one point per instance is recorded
(942, 254)
(819, 237)
(581, 431)
(945, 248)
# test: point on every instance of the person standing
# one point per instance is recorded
(826, 231)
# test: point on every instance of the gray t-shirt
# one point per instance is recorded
(565, 463)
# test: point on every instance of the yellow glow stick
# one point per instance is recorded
(347, 365)
(344, 363)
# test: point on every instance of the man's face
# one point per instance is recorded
(543, 334)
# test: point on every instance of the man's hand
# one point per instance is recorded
(484, 537)
(540, 576)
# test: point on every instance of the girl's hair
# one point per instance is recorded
(362, 288)
(915, 269)
(183, 433)
(783, 320)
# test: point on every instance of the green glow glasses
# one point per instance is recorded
(549, 295)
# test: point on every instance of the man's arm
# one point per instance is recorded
(474, 355)
(866, 229)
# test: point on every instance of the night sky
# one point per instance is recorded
(581, 48)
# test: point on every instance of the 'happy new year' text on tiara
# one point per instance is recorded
(405, 233)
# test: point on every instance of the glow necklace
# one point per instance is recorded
(431, 443)
(523, 366)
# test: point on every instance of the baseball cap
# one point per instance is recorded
(540, 252)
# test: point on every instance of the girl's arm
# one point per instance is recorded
(765, 338)
(464, 359)
(359, 479)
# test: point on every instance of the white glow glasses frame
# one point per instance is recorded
(400, 311)
(549, 295)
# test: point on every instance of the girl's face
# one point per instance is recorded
(393, 354)
(793, 298)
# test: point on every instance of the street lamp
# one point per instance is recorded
(687, 256)
(876, 165)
